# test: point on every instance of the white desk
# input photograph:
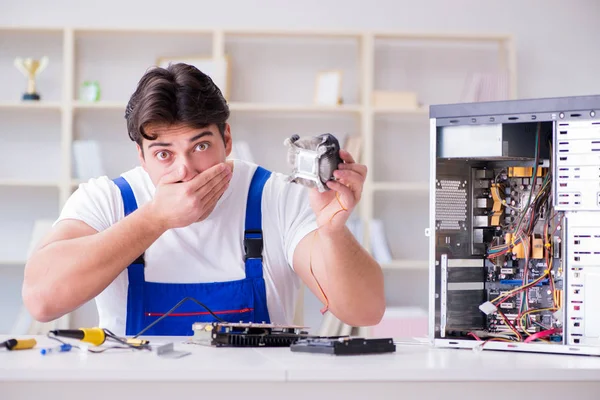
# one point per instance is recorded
(246, 373)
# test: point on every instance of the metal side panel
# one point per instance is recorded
(576, 172)
(583, 278)
(431, 229)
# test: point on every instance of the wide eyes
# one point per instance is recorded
(162, 155)
(165, 155)
(201, 146)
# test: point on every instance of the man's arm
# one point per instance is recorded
(75, 262)
(350, 280)
(348, 276)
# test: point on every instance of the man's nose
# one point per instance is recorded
(190, 170)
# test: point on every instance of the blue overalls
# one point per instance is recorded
(241, 300)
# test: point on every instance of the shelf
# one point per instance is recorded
(27, 183)
(125, 30)
(262, 32)
(30, 29)
(7, 263)
(274, 107)
(458, 37)
(406, 264)
(293, 33)
(402, 111)
(35, 105)
(76, 182)
(401, 186)
(100, 105)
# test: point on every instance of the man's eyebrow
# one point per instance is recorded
(159, 144)
(193, 139)
(201, 135)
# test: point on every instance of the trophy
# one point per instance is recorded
(30, 68)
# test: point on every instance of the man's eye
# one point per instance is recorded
(162, 155)
(202, 146)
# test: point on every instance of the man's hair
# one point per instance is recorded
(178, 94)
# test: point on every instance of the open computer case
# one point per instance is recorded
(514, 231)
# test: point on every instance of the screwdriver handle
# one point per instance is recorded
(20, 344)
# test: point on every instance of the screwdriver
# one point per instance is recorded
(62, 348)
(19, 344)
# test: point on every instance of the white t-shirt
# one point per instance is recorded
(207, 251)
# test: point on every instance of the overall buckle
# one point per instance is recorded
(253, 246)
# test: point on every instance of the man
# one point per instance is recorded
(188, 223)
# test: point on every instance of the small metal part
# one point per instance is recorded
(166, 350)
(313, 160)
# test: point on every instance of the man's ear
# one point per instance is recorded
(227, 139)
(141, 156)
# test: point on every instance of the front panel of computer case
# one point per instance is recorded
(515, 225)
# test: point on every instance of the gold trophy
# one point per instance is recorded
(30, 68)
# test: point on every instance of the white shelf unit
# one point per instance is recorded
(30, 105)
(27, 183)
(406, 264)
(235, 106)
(272, 75)
(12, 263)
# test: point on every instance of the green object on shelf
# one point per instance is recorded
(90, 91)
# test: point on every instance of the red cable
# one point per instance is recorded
(542, 334)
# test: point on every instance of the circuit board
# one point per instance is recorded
(503, 271)
(226, 334)
(518, 280)
(501, 281)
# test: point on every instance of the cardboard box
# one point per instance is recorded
(389, 99)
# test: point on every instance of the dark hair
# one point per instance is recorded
(179, 93)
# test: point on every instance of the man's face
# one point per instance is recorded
(196, 148)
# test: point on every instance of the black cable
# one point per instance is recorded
(50, 335)
(97, 351)
(176, 307)
(124, 342)
(534, 176)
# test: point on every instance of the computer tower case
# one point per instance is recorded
(514, 229)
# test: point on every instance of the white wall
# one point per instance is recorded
(555, 43)
(556, 39)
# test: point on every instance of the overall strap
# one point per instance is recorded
(129, 202)
(253, 238)
(136, 269)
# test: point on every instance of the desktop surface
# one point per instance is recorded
(413, 368)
